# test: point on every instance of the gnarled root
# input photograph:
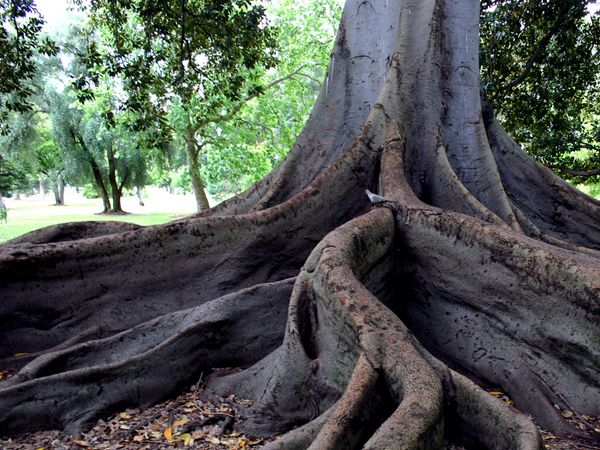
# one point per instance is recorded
(340, 340)
(520, 314)
(72, 388)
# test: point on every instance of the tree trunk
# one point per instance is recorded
(59, 191)
(193, 155)
(138, 193)
(97, 173)
(3, 214)
(354, 319)
(42, 188)
(115, 189)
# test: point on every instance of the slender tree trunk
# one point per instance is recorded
(112, 179)
(100, 186)
(59, 191)
(56, 195)
(138, 193)
(193, 155)
(42, 189)
(3, 212)
(97, 173)
(119, 192)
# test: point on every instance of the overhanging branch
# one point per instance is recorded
(219, 118)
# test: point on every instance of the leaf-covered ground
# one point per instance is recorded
(192, 420)
(198, 420)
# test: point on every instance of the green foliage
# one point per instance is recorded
(90, 191)
(203, 52)
(20, 43)
(11, 177)
(243, 150)
(541, 71)
(24, 149)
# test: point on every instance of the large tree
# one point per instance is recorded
(355, 320)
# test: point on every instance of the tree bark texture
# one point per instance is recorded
(354, 323)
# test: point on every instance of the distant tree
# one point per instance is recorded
(12, 178)
(18, 149)
(51, 164)
(207, 55)
(20, 43)
(541, 72)
(105, 153)
(244, 149)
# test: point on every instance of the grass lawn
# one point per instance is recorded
(31, 213)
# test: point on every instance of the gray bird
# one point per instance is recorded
(376, 199)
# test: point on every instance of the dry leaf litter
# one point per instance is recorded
(197, 420)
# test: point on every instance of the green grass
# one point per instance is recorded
(30, 214)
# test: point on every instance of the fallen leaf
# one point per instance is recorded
(496, 393)
(187, 439)
(80, 443)
(212, 440)
(138, 438)
(168, 434)
(19, 355)
(180, 422)
(124, 415)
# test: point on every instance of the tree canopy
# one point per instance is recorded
(541, 72)
(20, 45)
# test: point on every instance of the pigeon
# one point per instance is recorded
(376, 199)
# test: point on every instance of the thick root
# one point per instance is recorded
(518, 316)
(73, 232)
(72, 388)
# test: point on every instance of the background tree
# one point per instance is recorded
(256, 140)
(28, 131)
(106, 153)
(51, 164)
(206, 54)
(20, 43)
(541, 72)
